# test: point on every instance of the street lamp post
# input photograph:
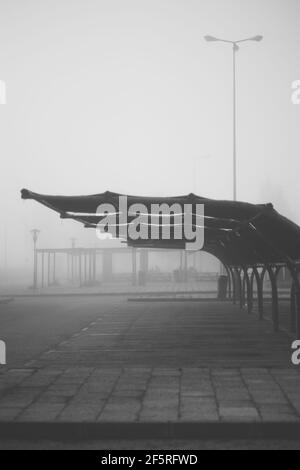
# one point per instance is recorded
(35, 235)
(73, 259)
(235, 48)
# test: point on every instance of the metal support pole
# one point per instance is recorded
(85, 269)
(185, 266)
(275, 304)
(293, 309)
(37, 270)
(90, 267)
(229, 282)
(181, 266)
(72, 266)
(298, 311)
(249, 291)
(235, 49)
(54, 268)
(43, 269)
(35, 267)
(49, 268)
(260, 295)
(95, 267)
(144, 265)
(134, 267)
(239, 287)
(244, 285)
(234, 290)
(80, 268)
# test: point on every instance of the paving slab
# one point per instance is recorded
(184, 369)
(145, 399)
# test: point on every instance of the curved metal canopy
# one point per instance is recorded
(238, 233)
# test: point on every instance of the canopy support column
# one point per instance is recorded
(95, 267)
(260, 295)
(54, 269)
(185, 255)
(134, 267)
(36, 278)
(247, 283)
(293, 314)
(298, 310)
(80, 268)
(90, 268)
(43, 269)
(229, 282)
(144, 264)
(239, 286)
(234, 288)
(48, 269)
(85, 269)
(275, 304)
(107, 266)
(295, 307)
(72, 266)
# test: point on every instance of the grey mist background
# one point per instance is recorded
(126, 96)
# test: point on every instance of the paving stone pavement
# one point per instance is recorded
(152, 363)
(83, 394)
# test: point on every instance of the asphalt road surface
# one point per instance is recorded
(30, 326)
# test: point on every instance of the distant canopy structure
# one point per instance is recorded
(248, 239)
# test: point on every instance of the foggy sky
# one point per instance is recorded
(125, 95)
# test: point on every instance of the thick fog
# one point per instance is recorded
(126, 96)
